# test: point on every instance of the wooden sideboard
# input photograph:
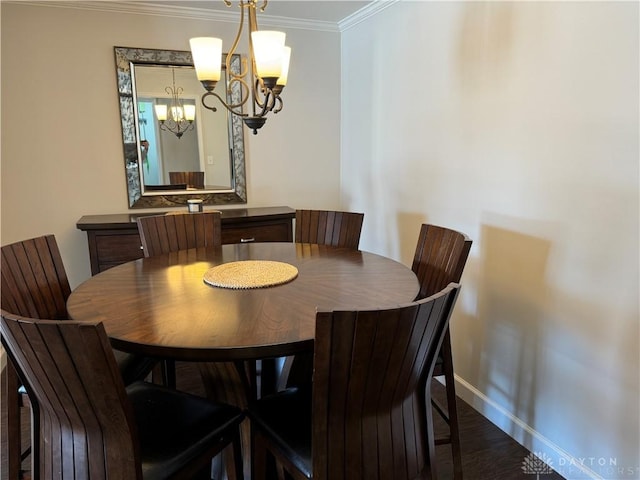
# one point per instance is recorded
(114, 239)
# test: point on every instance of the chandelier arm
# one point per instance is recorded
(243, 87)
(224, 104)
(257, 87)
(280, 104)
(269, 101)
(244, 67)
(267, 104)
(233, 106)
(177, 128)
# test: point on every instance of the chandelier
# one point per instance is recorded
(176, 117)
(261, 78)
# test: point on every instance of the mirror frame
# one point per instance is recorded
(126, 58)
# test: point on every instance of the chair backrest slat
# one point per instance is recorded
(34, 281)
(326, 227)
(173, 232)
(82, 404)
(371, 369)
(440, 257)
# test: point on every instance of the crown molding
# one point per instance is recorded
(371, 9)
(153, 8)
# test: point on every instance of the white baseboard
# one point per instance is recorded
(569, 467)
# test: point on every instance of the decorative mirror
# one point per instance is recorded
(163, 158)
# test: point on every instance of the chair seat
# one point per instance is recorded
(293, 437)
(174, 426)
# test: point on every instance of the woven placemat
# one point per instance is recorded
(250, 274)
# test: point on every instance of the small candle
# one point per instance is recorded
(194, 205)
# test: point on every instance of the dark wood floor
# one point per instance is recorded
(488, 453)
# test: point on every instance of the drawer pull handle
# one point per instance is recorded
(247, 240)
(141, 247)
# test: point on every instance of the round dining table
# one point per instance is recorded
(161, 306)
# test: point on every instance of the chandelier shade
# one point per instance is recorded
(206, 53)
(268, 51)
(161, 112)
(286, 56)
(262, 77)
(190, 112)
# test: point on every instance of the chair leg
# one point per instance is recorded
(268, 377)
(10, 422)
(235, 469)
(227, 382)
(169, 373)
(452, 409)
(258, 457)
(164, 373)
(35, 440)
(296, 371)
(429, 471)
(248, 371)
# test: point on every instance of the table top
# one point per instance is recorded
(161, 306)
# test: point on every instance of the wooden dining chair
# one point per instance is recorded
(181, 231)
(326, 227)
(90, 426)
(323, 227)
(192, 179)
(223, 381)
(440, 258)
(362, 418)
(34, 284)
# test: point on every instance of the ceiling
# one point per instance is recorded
(313, 10)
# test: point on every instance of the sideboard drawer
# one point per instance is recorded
(108, 248)
(277, 232)
(119, 248)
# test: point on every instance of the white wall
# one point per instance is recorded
(517, 123)
(61, 140)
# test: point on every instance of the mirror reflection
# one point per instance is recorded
(174, 148)
(172, 126)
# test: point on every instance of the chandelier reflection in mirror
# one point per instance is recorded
(262, 80)
(176, 117)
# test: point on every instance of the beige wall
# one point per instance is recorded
(517, 123)
(61, 140)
